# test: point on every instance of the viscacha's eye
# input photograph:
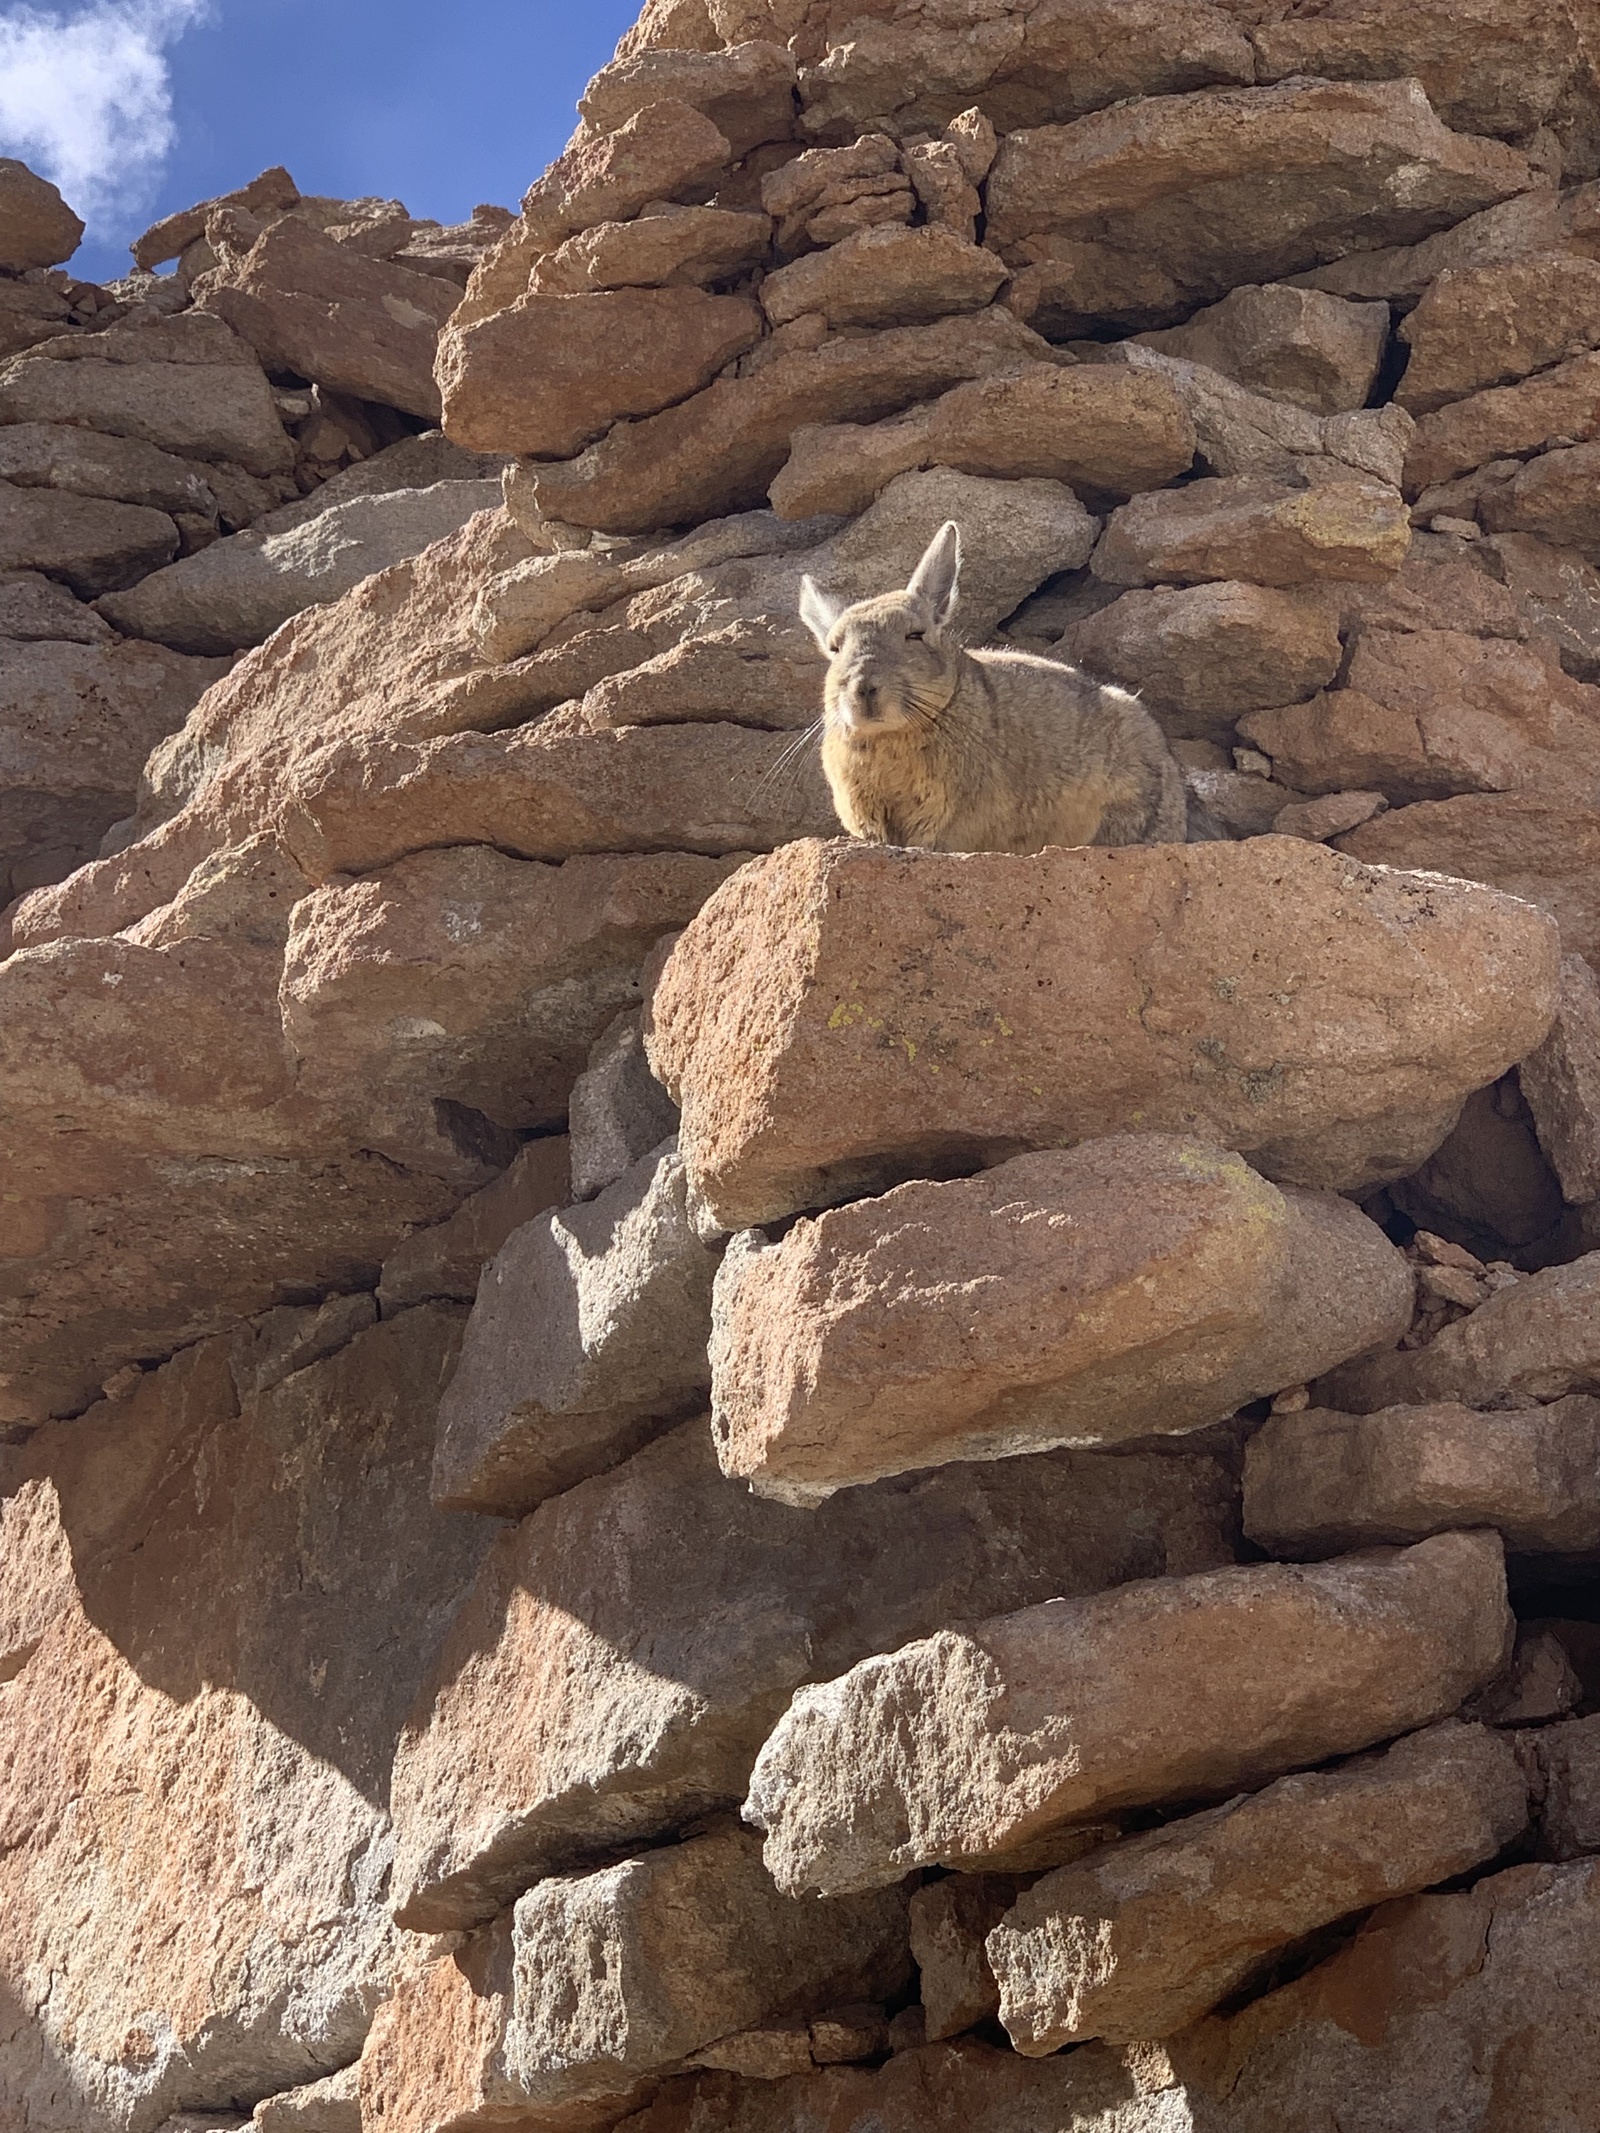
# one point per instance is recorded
(914, 636)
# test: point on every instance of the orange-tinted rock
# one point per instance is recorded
(802, 1016)
(164, 240)
(1561, 1082)
(718, 451)
(1554, 497)
(890, 276)
(1506, 421)
(203, 1571)
(1134, 1285)
(1483, 326)
(1174, 1690)
(672, 246)
(596, 358)
(680, 1613)
(1315, 351)
(1143, 1937)
(1546, 849)
(37, 228)
(308, 304)
(1106, 431)
(1429, 713)
(1319, 1481)
(746, 91)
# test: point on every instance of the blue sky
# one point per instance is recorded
(137, 107)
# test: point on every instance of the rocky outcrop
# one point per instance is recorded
(1071, 1398)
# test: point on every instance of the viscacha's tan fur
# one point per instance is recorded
(926, 743)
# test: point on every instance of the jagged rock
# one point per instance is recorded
(76, 723)
(1561, 1083)
(306, 303)
(1202, 656)
(1542, 848)
(1338, 531)
(447, 1260)
(38, 455)
(588, 1337)
(1240, 432)
(1536, 1341)
(1545, 220)
(91, 543)
(1539, 1683)
(37, 228)
(718, 451)
(904, 1332)
(889, 276)
(746, 91)
(274, 189)
(950, 1921)
(1323, 820)
(30, 313)
(1029, 66)
(332, 2105)
(1429, 713)
(1104, 431)
(199, 1728)
(238, 591)
(1315, 351)
(664, 248)
(829, 194)
(1134, 216)
(1505, 422)
(1066, 1712)
(603, 1982)
(187, 385)
(1319, 1482)
(873, 966)
(598, 358)
(684, 1612)
(618, 1110)
(1485, 326)
(1143, 1937)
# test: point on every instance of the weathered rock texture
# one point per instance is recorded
(356, 778)
(1136, 1283)
(1068, 1712)
(841, 1016)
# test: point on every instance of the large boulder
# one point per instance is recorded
(1483, 326)
(1138, 1284)
(1134, 216)
(1313, 350)
(1339, 531)
(37, 228)
(317, 308)
(628, 1647)
(840, 1017)
(195, 1579)
(92, 545)
(1173, 1690)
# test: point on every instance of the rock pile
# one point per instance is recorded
(661, 1472)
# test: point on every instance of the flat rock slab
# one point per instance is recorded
(1135, 215)
(1142, 1938)
(970, 1743)
(1535, 1342)
(1320, 1481)
(599, 1983)
(629, 1646)
(1137, 1284)
(839, 1017)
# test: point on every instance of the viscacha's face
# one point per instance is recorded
(888, 666)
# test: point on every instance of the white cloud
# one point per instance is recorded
(85, 97)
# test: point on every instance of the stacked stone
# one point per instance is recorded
(666, 1472)
(188, 460)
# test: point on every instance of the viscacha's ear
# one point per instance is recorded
(937, 578)
(817, 611)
